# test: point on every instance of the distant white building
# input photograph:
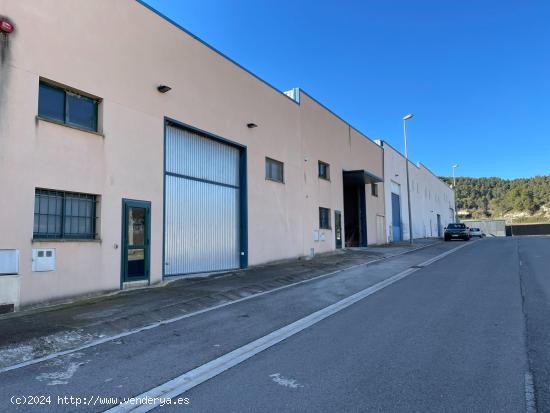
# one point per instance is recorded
(432, 200)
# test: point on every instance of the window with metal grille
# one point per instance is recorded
(324, 170)
(64, 215)
(324, 218)
(274, 170)
(67, 107)
(374, 189)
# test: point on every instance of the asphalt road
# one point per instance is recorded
(449, 338)
(464, 334)
(534, 268)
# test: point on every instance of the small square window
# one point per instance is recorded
(274, 170)
(374, 189)
(324, 218)
(324, 170)
(64, 215)
(67, 107)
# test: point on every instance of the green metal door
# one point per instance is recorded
(136, 218)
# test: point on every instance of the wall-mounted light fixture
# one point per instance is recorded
(5, 26)
(251, 125)
(164, 88)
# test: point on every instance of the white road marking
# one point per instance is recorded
(184, 316)
(284, 381)
(193, 378)
(64, 370)
(59, 377)
(530, 402)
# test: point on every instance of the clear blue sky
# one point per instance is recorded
(476, 73)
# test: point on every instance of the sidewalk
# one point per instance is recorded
(36, 333)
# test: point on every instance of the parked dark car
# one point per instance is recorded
(457, 231)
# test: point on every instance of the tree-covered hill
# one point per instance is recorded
(495, 197)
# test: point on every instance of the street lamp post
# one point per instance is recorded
(454, 187)
(405, 119)
(454, 179)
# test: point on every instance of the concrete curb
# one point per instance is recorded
(90, 298)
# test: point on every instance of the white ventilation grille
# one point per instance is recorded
(293, 94)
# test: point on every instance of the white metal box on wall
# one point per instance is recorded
(9, 261)
(43, 259)
(9, 280)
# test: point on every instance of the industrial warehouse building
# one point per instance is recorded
(432, 200)
(136, 152)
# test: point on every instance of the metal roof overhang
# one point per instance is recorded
(360, 177)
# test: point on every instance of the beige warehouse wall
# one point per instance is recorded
(130, 52)
(45, 155)
(122, 63)
(365, 152)
(329, 139)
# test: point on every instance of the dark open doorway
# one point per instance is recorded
(355, 207)
(355, 211)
